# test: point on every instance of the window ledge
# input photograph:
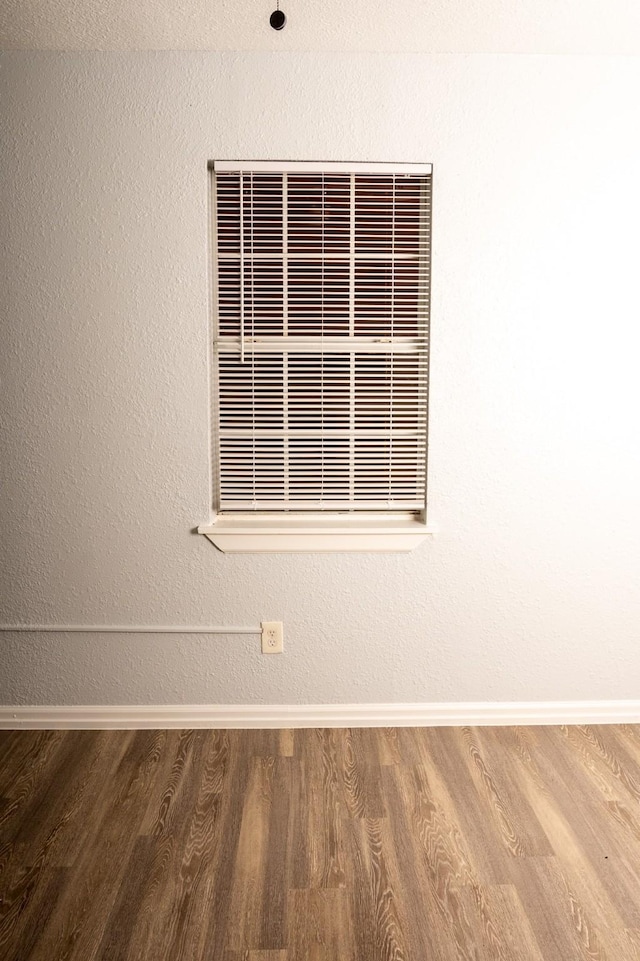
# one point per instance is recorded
(309, 532)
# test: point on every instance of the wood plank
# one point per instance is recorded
(244, 931)
(318, 848)
(25, 908)
(320, 925)
(187, 824)
(445, 759)
(381, 930)
(24, 770)
(362, 773)
(601, 839)
(432, 872)
(501, 927)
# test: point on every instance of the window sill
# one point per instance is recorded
(311, 533)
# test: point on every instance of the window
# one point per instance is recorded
(321, 282)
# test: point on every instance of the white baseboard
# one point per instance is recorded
(136, 716)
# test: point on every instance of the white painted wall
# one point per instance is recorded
(436, 26)
(531, 590)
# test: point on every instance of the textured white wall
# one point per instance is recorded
(436, 26)
(531, 590)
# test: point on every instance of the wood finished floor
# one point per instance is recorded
(434, 844)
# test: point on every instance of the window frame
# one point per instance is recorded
(292, 529)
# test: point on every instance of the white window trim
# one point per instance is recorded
(313, 166)
(316, 532)
(321, 531)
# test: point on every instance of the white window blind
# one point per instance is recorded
(321, 285)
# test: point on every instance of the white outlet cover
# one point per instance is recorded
(272, 637)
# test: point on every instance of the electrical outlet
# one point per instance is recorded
(272, 637)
